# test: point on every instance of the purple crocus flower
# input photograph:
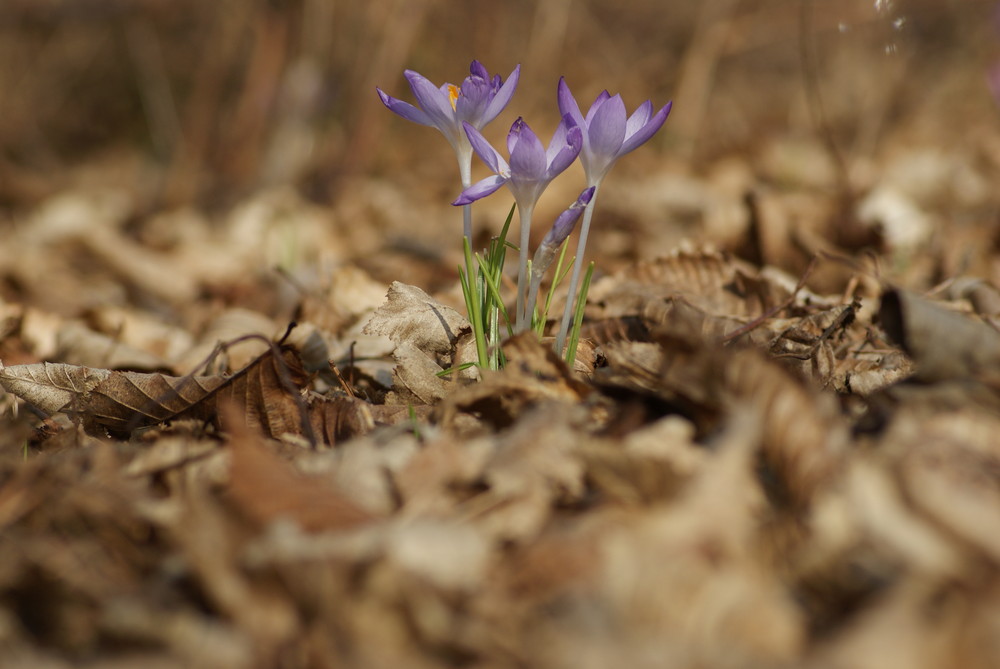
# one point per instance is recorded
(608, 132)
(530, 170)
(607, 136)
(477, 101)
(531, 167)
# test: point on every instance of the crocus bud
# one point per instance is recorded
(561, 229)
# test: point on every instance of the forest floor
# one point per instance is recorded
(224, 440)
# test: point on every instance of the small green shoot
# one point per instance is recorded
(413, 421)
(452, 370)
(483, 298)
(574, 333)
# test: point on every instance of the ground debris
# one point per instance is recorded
(237, 425)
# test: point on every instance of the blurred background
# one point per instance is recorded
(248, 134)
(201, 102)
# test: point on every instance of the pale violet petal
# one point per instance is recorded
(502, 97)
(639, 118)
(567, 154)
(405, 109)
(527, 155)
(433, 101)
(485, 150)
(602, 97)
(643, 134)
(606, 130)
(567, 103)
(480, 189)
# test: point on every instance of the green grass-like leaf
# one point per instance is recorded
(472, 305)
(574, 332)
(483, 297)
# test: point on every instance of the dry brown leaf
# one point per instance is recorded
(266, 488)
(650, 465)
(668, 581)
(267, 390)
(338, 419)
(713, 282)
(533, 373)
(411, 316)
(120, 401)
(416, 377)
(948, 463)
(534, 467)
(441, 473)
(804, 437)
(945, 345)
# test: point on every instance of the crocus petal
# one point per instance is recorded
(481, 189)
(599, 101)
(642, 135)
(639, 118)
(477, 69)
(432, 100)
(559, 137)
(567, 154)
(567, 103)
(405, 109)
(606, 130)
(527, 155)
(473, 99)
(485, 150)
(514, 134)
(502, 97)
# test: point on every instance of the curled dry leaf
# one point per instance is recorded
(268, 390)
(429, 338)
(804, 438)
(411, 316)
(945, 345)
(713, 282)
(120, 401)
(415, 377)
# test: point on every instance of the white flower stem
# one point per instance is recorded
(464, 154)
(522, 266)
(574, 280)
(536, 282)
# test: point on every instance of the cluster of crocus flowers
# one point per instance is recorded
(599, 139)
(530, 170)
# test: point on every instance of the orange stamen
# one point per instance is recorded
(452, 94)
